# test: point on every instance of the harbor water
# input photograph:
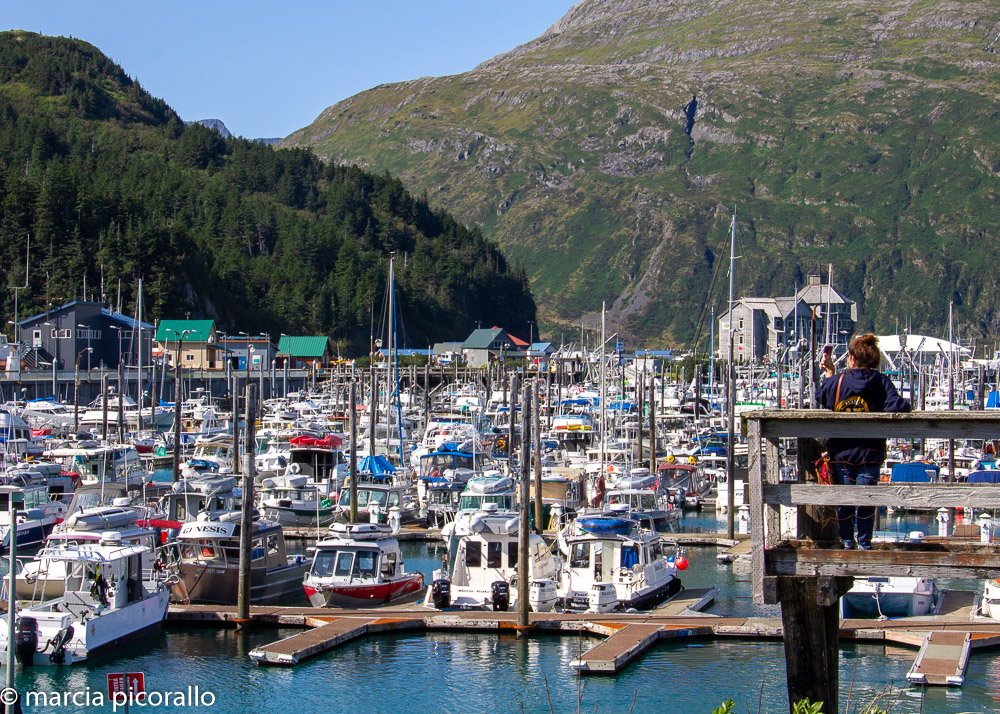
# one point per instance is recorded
(208, 670)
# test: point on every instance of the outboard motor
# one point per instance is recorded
(59, 643)
(441, 593)
(26, 640)
(501, 594)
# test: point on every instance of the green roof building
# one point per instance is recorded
(305, 351)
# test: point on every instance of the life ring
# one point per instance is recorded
(295, 469)
(178, 590)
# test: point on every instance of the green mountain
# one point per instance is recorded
(112, 186)
(608, 154)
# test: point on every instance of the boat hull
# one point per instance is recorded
(351, 595)
(219, 585)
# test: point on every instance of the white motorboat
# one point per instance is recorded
(359, 566)
(990, 603)
(37, 515)
(484, 554)
(107, 601)
(612, 563)
(892, 596)
(293, 500)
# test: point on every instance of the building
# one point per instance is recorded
(83, 330)
(305, 352)
(485, 344)
(194, 342)
(242, 349)
(765, 328)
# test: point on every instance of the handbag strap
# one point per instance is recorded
(836, 396)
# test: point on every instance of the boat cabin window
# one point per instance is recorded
(364, 564)
(379, 498)
(345, 559)
(647, 502)
(511, 555)
(272, 544)
(494, 553)
(388, 564)
(473, 554)
(323, 563)
(393, 499)
(598, 558)
(580, 555)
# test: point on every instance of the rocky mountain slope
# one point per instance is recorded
(608, 154)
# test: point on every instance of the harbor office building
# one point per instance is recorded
(766, 328)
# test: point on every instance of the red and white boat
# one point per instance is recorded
(359, 566)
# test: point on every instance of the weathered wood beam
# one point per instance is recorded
(899, 495)
(953, 562)
(821, 424)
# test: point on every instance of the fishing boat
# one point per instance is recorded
(612, 563)
(359, 566)
(293, 500)
(99, 463)
(107, 601)
(483, 550)
(990, 602)
(43, 576)
(210, 558)
(886, 597)
(36, 517)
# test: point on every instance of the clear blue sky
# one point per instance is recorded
(269, 68)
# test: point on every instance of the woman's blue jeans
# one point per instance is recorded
(862, 475)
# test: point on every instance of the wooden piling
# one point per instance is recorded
(246, 521)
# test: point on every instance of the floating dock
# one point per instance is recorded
(945, 641)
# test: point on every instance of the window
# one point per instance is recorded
(580, 556)
(344, 561)
(740, 324)
(511, 555)
(189, 357)
(473, 554)
(494, 552)
(323, 564)
(364, 564)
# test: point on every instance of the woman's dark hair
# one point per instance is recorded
(864, 350)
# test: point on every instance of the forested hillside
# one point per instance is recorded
(112, 186)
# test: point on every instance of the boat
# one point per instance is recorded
(43, 576)
(359, 566)
(293, 500)
(379, 500)
(989, 605)
(483, 550)
(99, 463)
(107, 601)
(612, 563)
(210, 557)
(885, 597)
(37, 515)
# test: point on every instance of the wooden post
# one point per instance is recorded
(177, 418)
(235, 419)
(510, 425)
(536, 441)
(810, 620)
(152, 395)
(523, 555)
(652, 423)
(246, 520)
(641, 399)
(352, 405)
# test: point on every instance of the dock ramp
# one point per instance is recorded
(942, 659)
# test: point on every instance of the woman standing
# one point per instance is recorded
(859, 388)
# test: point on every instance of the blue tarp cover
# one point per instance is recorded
(376, 465)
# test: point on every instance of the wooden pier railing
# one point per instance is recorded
(802, 566)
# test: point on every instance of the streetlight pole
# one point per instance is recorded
(76, 389)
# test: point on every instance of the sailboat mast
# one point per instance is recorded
(731, 389)
(394, 351)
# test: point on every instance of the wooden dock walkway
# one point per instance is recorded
(945, 641)
(325, 635)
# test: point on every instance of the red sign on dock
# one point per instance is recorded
(129, 685)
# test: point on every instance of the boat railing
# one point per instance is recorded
(808, 545)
